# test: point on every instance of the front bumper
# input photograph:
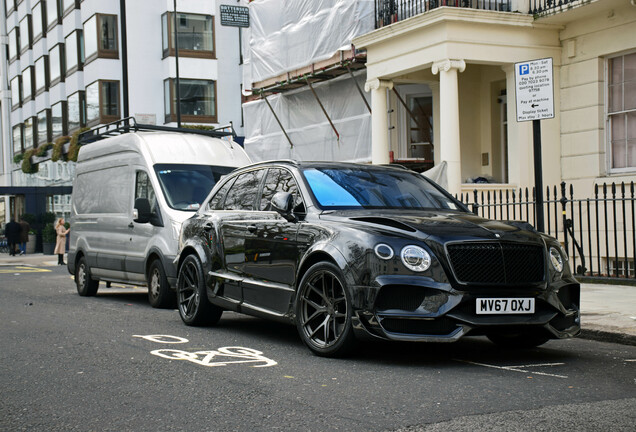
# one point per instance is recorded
(407, 309)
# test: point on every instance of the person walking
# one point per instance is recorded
(24, 235)
(12, 233)
(60, 244)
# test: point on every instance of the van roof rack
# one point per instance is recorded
(129, 124)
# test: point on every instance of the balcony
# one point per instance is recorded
(392, 11)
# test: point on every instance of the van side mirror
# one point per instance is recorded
(142, 212)
(283, 204)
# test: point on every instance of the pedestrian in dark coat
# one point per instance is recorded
(24, 235)
(12, 233)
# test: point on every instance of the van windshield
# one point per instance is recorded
(186, 186)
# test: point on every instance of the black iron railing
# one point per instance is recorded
(599, 233)
(538, 7)
(391, 11)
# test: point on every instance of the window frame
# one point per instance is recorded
(47, 80)
(42, 34)
(82, 120)
(68, 9)
(100, 52)
(63, 107)
(15, 106)
(16, 44)
(29, 35)
(24, 98)
(47, 139)
(101, 98)
(50, 23)
(171, 117)
(20, 127)
(34, 132)
(184, 52)
(9, 11)
(608, 116)
(79, 41)
(62, 57)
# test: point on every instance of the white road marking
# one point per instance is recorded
(519, 368)
(204, 358)
(166, 339)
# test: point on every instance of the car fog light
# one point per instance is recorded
(383, 251)
(415, 258)
(556, 259)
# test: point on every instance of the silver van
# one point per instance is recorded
(133, 188)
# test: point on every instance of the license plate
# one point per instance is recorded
(489, 306)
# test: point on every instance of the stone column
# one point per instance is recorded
(379, 120)
(449, 120)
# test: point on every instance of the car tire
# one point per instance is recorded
(160, 295)
(323, 311)
(518, 340)
(86, 285)
(192, 301)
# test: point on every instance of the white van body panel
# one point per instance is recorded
(103, 229)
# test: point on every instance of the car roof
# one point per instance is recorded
(322, 164)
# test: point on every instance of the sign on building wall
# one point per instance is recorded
(235, 16)
(534, 90)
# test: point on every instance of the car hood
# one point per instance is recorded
(439, 225)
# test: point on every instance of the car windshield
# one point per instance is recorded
(186, 186)
(350, 188)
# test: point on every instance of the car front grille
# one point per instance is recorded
(496, 263)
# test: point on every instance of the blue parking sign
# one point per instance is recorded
(524, 69)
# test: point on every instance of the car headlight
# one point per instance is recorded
(556, 259)
(415, 258)
(383, 251)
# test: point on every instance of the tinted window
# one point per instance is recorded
(186, 186)
(103, 191)
(375, 189)
(216, 203)
(144, 189)
(242, 194)
(278, 180)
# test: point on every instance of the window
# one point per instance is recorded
(102, 102)
(76, 111)
(53, 13)
(57, 67)
(18, 137)
(69, 5)
(277, 180)
(14, 42)
(43, 128)
(103, 191)
(26, 35)
(100, 37)
(29, 135)
(144, 189)
(39, 22)
(59, 125)
(16, 92)
(216, 203)
(9, 7)
(41, 74)
(27, 84)
(621, 112)
(196, 35)
(242, 195)
(198, 100)
(74, 47)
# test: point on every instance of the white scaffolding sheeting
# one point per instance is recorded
(286, 35)
(309, 130)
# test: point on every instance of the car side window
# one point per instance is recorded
(216, 203)
(144, 189)
(242, 194)
(278, 180)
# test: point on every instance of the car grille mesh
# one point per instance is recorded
(497, 263)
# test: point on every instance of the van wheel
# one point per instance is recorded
(159, 293)
(86, 286)
(194, 307)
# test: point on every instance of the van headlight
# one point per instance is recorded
(415, 258)
(176, 229)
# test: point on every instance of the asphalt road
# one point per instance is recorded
(112, 363)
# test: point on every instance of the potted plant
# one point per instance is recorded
(48, 239)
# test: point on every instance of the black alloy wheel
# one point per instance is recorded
(86, 286)
(323, 311)
(194, 307)
(160, 295)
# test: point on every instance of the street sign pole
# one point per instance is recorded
(535, 101)
(538, 175)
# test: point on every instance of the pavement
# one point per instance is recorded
(608, 312)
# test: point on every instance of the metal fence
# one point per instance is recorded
(391, 11)
(598, 233)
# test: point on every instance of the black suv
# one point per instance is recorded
(347, 251)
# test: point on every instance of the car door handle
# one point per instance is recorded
(251, 228)
(208, 226)
(131, 225)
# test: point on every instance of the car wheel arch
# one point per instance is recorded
(328, 253)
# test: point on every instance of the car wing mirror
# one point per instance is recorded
(141, 212)
(283, 204)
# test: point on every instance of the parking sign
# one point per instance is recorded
(534, 90)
